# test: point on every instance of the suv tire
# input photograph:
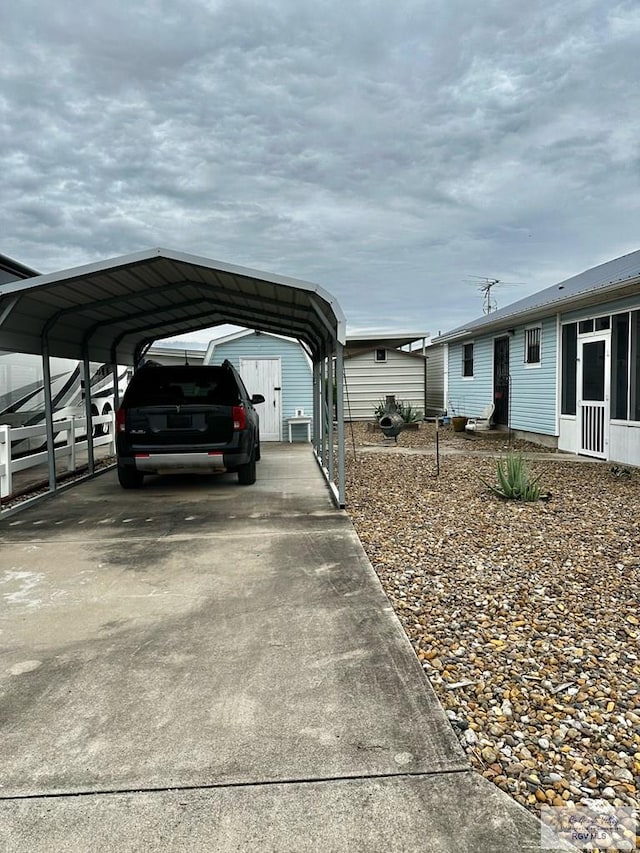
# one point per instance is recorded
(247, 473)
(129, 478)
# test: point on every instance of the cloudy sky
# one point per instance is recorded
(387, 151)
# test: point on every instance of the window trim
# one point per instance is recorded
(527, 362)
(466, 360)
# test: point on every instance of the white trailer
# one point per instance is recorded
(22, 400)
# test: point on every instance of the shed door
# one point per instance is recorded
(593, 388)
(263, 376)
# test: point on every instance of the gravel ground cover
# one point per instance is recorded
(525, 616)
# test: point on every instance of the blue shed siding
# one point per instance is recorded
(296, 376)
(533, 388)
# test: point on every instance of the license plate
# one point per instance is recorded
(178, 421)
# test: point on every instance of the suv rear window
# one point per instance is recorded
(170, 386)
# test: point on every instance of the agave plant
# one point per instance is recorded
(405, 410)
(514, 480)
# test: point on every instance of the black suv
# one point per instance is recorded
(187, 419)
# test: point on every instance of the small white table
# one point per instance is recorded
(299, 419)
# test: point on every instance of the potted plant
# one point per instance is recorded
(459, 421)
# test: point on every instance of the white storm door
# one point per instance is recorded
(263, 376)
(593, 399)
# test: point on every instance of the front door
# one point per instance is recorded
(593, 397)
(263, 376)
(501, 380)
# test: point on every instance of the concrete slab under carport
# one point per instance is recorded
(204, 666)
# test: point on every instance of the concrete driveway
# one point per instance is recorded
(201, 666)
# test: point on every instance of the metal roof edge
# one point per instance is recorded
(175, 350)
(209, 263)
(214, 343)
(550, 307)
(416, 336)
(274, 278)
(354, 353)
(74, 272)
(11, 265)
(232, 336)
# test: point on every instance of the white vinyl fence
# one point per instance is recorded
(72, 431)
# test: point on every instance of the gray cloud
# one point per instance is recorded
(385, 152)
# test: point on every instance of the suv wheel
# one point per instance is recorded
(247, 473)
(129, 478)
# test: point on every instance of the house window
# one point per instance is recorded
(569, 365)
(467, 360)
(603, 323)
(381, 355)
(532, 345)
(586, 326)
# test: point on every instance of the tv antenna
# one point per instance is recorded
(485, 286)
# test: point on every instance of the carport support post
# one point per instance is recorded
(86, 374)
(340, 418)
(48, 413)
(330, 415)
(116, 386)
(314, 424)
(323, 419)
(317, 410)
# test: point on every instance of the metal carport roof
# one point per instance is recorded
(111, 310)
(114, 307)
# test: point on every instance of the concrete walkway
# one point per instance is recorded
(200, 666)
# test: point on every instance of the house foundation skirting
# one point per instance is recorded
(549, 441)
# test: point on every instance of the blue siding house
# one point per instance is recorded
(276, 367)
(561, 366)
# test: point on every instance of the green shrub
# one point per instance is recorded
(514, 480)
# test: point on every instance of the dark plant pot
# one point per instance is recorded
(459, 423)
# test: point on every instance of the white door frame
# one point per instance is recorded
(593, 415)
(272, 397)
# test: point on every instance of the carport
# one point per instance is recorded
(113, 310)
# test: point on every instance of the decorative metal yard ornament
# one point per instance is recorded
(391, 423)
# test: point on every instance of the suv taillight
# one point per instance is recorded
(120, 420)
(239, 417)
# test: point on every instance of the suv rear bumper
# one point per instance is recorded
(198, 462)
